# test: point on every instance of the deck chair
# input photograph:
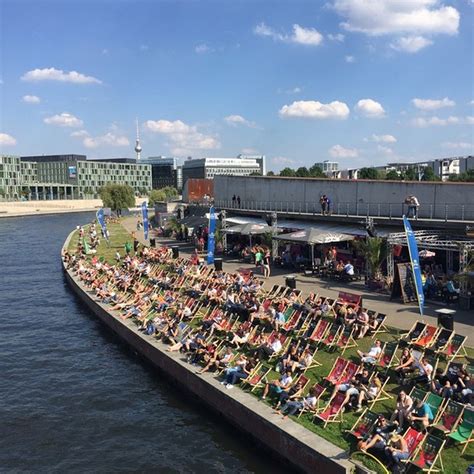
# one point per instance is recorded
(413, 439)
(332, 336)
(257, 377)
(314, 362)
(436, 404)
(449, 418)
(346, 340)
(349, 372)
(443, 338)
(453, 368)
(387, 356)
(464, 430)
(380, 318)
(418, 395)
(414, 333)
(320, 331)
(319, 390)
(427, 457)
(337, 370)
(332, 413)
(455, 347)
(427, 337)
(364, 424)
(292, 322)
(382, 395)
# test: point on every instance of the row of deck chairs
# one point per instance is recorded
(439, 340)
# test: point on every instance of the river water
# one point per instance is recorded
(72, 397)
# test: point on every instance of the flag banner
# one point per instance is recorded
(145, 219)
(415, 263)
(87, 249)
(210, 238)
(101, 219)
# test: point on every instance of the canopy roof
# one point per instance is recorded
(248, 229)
(314, 236)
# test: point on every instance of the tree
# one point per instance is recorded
(287, 172)
(429, 174)
(170, 192)
(302, 172)
(255, 173)
(374, 250)
(316, 172)
(2, 192)
(466, 176)
(393, 175)
(410, 174)
(270, 173)
(156, 195)
(368, 173)
(117, 196)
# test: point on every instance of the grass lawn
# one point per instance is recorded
(453, 461)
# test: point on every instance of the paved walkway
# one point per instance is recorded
(398, 315)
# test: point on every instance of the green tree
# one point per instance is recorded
(410, 174)
(156, 195)
(117, 196)
(316, 172)
(255, 173)
(467, 176)
(170, 192)
(393, 175)
(374, 250)
(302, 172)
(270, 173)
(429, 174)
(287, 172)
(368, 173)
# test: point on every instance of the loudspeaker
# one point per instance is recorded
(175, 250)
(218, 264)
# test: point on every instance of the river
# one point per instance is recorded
(72, 397)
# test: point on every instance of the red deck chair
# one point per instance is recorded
(257, 377)
(292, 322)
(455, 348)
(428, 336)
(320, 331)
(413, 439)
(333, 411)
(349, 372)
(347, 340)
(388, 355)
(318, 392)
(337, 371)
(333, 335)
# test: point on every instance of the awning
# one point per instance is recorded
(248, 229)
(314, 236)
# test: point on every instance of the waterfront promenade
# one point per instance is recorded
(399, 315)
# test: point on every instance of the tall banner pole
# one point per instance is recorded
(211, 236)
(145, 219)
(415, 263)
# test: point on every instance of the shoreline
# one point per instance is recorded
(303, 450)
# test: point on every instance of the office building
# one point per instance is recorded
(164, 172)
(329, 168)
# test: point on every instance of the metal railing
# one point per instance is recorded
(444, 212)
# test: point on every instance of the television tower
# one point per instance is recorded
(138, 147)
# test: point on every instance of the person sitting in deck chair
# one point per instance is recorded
(380, 435)
(372, 356)
(352, 388)
(278, 386)
(403, 410)
(421, 415)
(292, 406)
(369, 393)
(265, 349)
(396, 451)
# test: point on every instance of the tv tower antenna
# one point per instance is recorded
(138, 147)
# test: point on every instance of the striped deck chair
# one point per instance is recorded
(337, 371)
(418, 395)
(346, 340)
(322, 327)
(257, 378)
(414, 333)
(449, 418)
(388, 356)
(436, 404)
(332, 336)
(318, 393)
(332, 413)
(443, 338)
(364, 424)
(427, 457)
(428, 336)
(463, 433)
(455, 348)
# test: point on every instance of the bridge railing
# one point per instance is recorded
(446, 212)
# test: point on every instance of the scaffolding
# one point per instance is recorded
(435, 240)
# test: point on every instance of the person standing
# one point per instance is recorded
(234, 198)
(238, 202)
(322, 201)
(266, 264)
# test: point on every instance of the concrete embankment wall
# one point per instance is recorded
(303, 450)
(436, 198)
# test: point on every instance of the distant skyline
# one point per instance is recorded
(359, 82)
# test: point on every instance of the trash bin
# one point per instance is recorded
(152, 242)
(290, 281)
(446, 321)
(175, 250)
(218, 264)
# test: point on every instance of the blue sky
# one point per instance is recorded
(359, 82)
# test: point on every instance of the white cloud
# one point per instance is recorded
(422, 122)
(183, 138)
(109, 139)
(470, 120)
(336, 37)
(249, 151)
(349, 59)
(52, 74)
(384, 149)
(7, 140)
(202, 48)
(432, 104)
(80, 134)
(300, 35)
(370, 108)
(458, 145)
(235, 120)
(282, 160)
(31, 99)
(471, 103)
(64, 120)
(315, 109)
(410, 44)
(383, 138)
(382, 17)
(338, 151)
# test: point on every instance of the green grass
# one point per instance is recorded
(454, 462)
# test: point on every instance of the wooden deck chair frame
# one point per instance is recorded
(381, 395)
(371, 420)
(415, 394)
(335, 417)
(260, 382)
(436, 404)
(431, 337)
(318, 400)
(284, 346)
(381, 327)
(437, 458)
(404, 336)
(463, 439)
(336, 332)
(393, 359)
(330, 378)
(349, 342)
(438, 345)
(327, 326)
(460, 351)
(442, 413)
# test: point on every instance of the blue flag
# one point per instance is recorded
(145, 219)
(210, 238)
(101, 219)
(415, 263)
